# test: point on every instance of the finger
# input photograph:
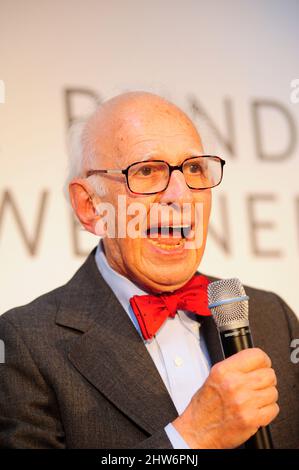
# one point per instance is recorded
(248, 360)
(267, 396)
(267, 414)
(261, 378)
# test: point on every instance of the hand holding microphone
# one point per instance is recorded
(239, 397)
(229, 304)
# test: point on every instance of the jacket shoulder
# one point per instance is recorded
(40, 310)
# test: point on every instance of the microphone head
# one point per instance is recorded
(229, 304)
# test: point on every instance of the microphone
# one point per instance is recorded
(228, 303)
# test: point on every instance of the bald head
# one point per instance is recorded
(107, 132)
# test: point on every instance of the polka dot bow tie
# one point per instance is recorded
(151, 311)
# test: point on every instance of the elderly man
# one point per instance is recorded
(126, 355)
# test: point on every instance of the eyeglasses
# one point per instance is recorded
(153, 176)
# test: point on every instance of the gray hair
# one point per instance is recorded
(81, 153)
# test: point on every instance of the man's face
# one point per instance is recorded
(155, 262)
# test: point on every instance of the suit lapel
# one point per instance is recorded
(210, 334)
(110, 354)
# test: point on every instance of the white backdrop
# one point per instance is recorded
(228, 64)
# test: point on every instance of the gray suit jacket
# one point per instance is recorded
(78, 375)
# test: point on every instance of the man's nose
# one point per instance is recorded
(177, 189)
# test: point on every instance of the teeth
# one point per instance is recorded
(169, 226)
(167, 247)
(164, 228)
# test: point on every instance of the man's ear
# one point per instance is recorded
(82, 203)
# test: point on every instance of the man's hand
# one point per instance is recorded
(238, 397)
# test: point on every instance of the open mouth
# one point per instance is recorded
(168, 237)
(178, 231)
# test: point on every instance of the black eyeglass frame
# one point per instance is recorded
(116, 171)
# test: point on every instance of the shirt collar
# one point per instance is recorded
(122, 287)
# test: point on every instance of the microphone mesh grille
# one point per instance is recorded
(231, 313)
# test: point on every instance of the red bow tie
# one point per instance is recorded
(151, 311)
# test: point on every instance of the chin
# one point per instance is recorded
(165, 275)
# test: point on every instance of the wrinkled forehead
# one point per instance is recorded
(136, 133)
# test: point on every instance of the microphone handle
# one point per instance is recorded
(234, 341)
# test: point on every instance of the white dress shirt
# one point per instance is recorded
(178, 350)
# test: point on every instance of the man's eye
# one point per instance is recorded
(145, 171)
(195, 168)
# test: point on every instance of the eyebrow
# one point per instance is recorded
(153, 158)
